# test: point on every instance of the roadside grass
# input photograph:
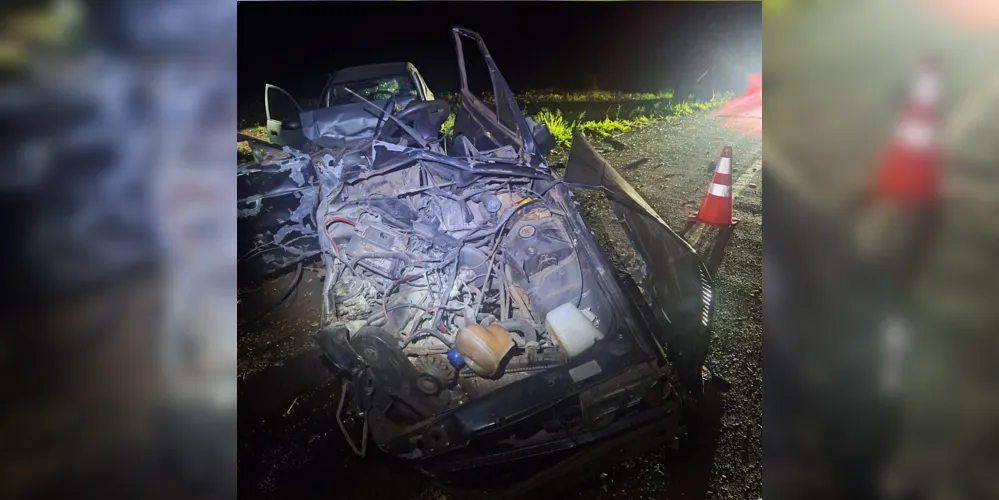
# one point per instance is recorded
(562, 126)
(447, 128)
(561, 111)
(243, 151)
(547, 95)
(594, 96)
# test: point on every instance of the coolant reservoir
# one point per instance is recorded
(483, 347)
(571, 329)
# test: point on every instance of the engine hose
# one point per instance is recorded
(529, 330)
(424, 332)
(526, 363)
(519, 325)
(489, 231)
(485, 319)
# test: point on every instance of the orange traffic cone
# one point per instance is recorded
(709, 230)
(716, 208)
(910, 171)
(899, 218)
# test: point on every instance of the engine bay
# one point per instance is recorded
(462, 275)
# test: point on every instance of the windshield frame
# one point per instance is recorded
(327, 92)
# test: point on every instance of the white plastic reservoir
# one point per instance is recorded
(571, 329)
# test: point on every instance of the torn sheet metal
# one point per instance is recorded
(276, 203)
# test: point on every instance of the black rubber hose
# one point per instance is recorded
(529, 330)
(489, 231)
(424, 332)
(287, 293)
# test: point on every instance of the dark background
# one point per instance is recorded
(624, 46)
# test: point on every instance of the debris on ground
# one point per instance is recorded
(618, 145)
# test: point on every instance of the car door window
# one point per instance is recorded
(281, 106)
(284, 125)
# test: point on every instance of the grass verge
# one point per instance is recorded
(562, 127)
(564, 112)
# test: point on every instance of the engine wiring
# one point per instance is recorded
(388, 292)
(489, 268)
(326, 224)
(433, 268)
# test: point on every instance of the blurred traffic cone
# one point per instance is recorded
(909, 172)
(901, 210)
(744, 114)
(716, 208)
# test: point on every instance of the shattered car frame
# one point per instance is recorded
(467, 307)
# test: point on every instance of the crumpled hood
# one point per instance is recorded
(336, 125)
(673, 279)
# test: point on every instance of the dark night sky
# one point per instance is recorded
(627, 46)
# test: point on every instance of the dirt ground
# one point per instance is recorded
(290, 445)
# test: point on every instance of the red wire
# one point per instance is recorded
(387, 292)
(338, 219)
(326, 224)
(336, 250)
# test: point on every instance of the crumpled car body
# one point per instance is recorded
(468, 308)
(277, 193)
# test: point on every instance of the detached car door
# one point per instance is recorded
(284, 126)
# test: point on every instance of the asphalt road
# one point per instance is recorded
(290, 445)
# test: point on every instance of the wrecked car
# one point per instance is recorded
(467, 307)
(373, 82)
